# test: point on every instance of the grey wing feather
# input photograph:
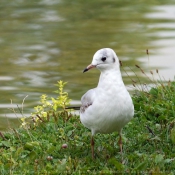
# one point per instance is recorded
(87, 100)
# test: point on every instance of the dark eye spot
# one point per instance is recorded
(103, 59)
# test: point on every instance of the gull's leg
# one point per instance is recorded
(92, 146)
(120, 145)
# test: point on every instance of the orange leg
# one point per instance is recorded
(92, 146)
(120, 145)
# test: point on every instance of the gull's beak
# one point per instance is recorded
(89, 67)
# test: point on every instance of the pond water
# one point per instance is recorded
(44, 41)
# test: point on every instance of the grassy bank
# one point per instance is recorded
(55, 142)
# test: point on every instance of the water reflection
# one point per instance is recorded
(48, 40)
(162, 12)
(163, 56)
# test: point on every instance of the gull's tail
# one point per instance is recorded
(73, 107)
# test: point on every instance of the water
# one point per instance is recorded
(44, 41)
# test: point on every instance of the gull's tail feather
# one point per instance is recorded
(73, 107)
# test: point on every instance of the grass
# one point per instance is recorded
(55, 142)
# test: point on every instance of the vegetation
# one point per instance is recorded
(54, 141)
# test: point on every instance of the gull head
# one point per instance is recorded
(104, 59)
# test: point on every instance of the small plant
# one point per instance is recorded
(54, 107)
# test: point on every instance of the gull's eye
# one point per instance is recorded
(103, 59)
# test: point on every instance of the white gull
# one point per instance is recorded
(108, 107)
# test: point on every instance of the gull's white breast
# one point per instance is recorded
(106, 108)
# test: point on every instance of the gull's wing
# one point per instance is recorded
(87, 100)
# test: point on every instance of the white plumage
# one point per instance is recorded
(108, 107)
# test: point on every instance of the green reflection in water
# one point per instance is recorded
(121, 25)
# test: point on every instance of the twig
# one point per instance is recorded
(150, 130)
(23, 103)
(2, 136)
